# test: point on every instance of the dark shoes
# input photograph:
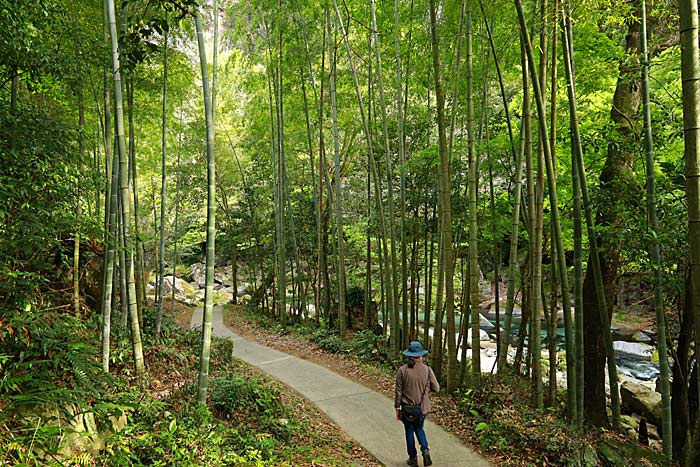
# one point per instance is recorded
(426, 458)
(413, 461)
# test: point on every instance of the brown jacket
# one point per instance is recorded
(411, 383)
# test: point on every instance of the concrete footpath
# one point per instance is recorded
(365, 415)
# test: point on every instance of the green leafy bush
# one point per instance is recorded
(499, 413)
(367, 346)
(159, 435)
(232, 394)
(183, 272)
(234, 397)
(168, 327)
(49, 370)
(39, 173)
(355, 297)
(328, 340)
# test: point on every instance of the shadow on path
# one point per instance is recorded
(362, 413)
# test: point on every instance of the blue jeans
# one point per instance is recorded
(415, 428)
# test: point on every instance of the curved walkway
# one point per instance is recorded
(362, 413)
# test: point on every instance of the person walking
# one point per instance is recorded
(414, 382)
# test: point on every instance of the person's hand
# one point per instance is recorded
(398, 414)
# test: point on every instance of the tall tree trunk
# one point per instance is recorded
(320, 233)
(163, 191)
(552, 321)
(473, 201)
(567, 41)
(446, 262)
(314, 185)
(368, 233)
(526, 143)
(654, 252)
(396, 326)
(111, 208)
(554, 206)
(205, 350)
(428, 253)
(452, 367)
(139, 251)
(537, 218)
(496, 258)
(79, 204)
(615, 180)
(415, 282)
(124, 189)
(402, 160)
(283, 208)
(123, 286)
(343, 321)
(106, 126)
(110, 257)
(177, 219)
(690, 76)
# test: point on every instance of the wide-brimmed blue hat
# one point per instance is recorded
(415, 349)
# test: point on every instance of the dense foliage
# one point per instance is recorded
(289, 146)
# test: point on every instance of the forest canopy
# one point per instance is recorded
(410, 168)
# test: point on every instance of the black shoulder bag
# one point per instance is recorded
(414, 413)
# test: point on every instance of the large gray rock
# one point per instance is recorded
(637, 350)
(199, 271)
(641, 336)
(184, 292)
(181, 287)
(76, 430)
(483, 337)
(222, 297)
(485, 324)
(243, 289)
(634, 359)
(632, 333)
(223, 275)
(641, 400)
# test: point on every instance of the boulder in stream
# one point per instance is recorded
(635, 350)
(483, 337)
(641, 400)
(485, 324)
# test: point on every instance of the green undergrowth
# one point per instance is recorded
(496, 415)
(501, 419)
(364, 345)
(249, 420)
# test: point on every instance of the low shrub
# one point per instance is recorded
(328, 339)
(235, 397)
(47, 372)
(229, 395)
(367, 346)
(500, 415)
(158, 435)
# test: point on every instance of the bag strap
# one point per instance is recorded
(427, 383)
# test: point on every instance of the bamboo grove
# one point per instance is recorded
(374, 165)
